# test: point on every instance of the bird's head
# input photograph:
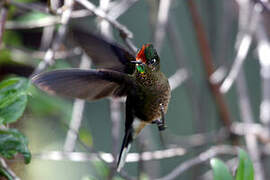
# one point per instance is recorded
(147, 59)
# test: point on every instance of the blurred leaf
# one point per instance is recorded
(13, 98)
(101, 169)
(5, 56)
(220, 170)
(6, 174)
(13, 142)
(245, 169)
(32, 16)
(86, 137)
(144, 176)
(12, 38)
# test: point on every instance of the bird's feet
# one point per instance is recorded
(160, 124)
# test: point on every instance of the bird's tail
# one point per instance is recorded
(130, 135)
(124, 149)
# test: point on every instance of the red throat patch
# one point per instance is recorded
(141, 54)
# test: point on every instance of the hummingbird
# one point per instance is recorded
(118, 73)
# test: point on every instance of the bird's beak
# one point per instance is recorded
(136, 62)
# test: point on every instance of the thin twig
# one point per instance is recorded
(247, 116)
(246, 110)
(4, 165)
(46, 38)
(119, 8)
(208, 63)
(242, 49)
(264, 55)
(163, 16)
(210, 153)
(3, 17)
(49, 56)
(178, 78)
(103, 15)
(108, 157)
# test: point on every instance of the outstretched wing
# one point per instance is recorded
(84, 84)
(104, 53)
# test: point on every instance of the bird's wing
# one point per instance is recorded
(104, 53)
(84, 84)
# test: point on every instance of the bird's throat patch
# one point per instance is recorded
(140, 68)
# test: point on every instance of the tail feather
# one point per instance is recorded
(124, 150)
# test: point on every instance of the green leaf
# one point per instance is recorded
(13, 142)
(245, 169)
(220, 170)
(86, 137)
(102, 170)
(12, 38)
(13, 99)
(5, 173)
(32, 16)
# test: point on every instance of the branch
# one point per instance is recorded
(99, 13)
(3, 17)
(244, 102)
(108, 157)
(208, 63)
(162, 19)
(178, 78)
(242, 49)
(120, 8)
(4, 165)
(202, 157)
(49, 56)
(264, 55)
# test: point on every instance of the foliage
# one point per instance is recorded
(244, 170)
(13, 100)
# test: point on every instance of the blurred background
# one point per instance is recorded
(216, 54)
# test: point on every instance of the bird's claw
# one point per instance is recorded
(161, 125)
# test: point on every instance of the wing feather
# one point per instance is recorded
(104, 53)
(84, 84)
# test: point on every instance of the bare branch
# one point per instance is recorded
(208, 63)
(120, 8)
(3, 17)
(49, 56)
(264, 55)
(201, 158)
(103, 15)
(247, 116)
(108, 157)
(4, 165)
(163, 15)
(178, 78)
(242, 49)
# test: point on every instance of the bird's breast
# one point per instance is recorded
(152, 96)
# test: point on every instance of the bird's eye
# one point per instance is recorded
(153, 61)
